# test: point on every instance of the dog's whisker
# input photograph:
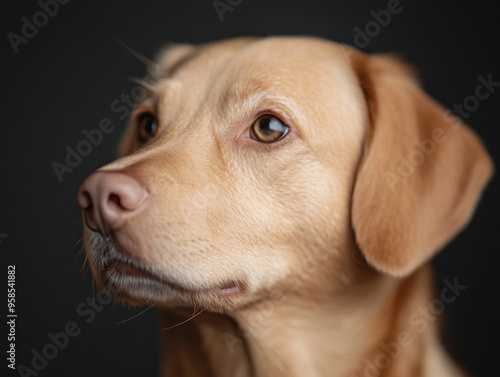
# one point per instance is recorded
(85, 267)
(81, 252)
(137, 315)
(142, 83)
(78, 229)
(80, 241)
(136, 54)
(85, 271)
(187, 320)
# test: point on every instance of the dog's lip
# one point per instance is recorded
(128, 269)
(228, 288)
(133, 270)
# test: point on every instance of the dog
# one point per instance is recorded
(279, 200)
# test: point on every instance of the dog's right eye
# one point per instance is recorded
(148, 126)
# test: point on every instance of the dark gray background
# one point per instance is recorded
(65, 79)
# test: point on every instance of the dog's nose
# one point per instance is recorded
(109, 199)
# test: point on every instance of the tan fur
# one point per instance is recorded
(295, 226)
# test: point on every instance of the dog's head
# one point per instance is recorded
(249, 160)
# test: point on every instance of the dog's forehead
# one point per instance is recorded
(238, 73)
(249, 57)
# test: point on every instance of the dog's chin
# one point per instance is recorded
(135, 286)
(136, 283)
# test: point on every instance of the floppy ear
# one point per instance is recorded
(421, 173)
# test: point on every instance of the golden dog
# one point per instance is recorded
(286, 193)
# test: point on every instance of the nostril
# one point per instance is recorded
(126, 194)
(114, 198)
(113, 208)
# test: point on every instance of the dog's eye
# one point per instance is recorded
(147, 127)
(268, 129)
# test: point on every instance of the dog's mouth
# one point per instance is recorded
(122, 271)
(135, 282)
(121, 268)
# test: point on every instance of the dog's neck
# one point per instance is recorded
(293, 335)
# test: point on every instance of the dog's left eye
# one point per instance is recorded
(268, 129)
(148, 126)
